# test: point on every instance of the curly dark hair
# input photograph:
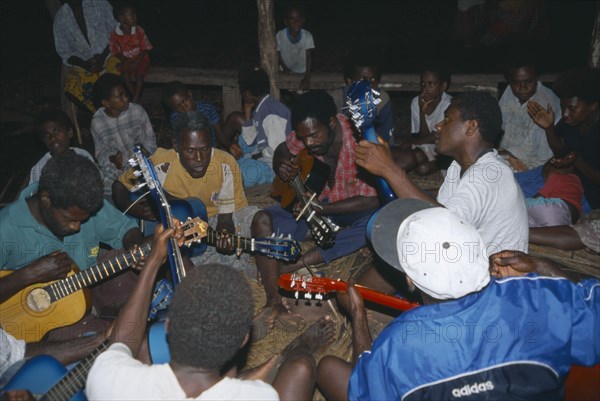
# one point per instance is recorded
(255, 81)
(209, 316)
(171, 89)
(193, 120)
(72, 180)
(519, 57)
(481, 106)
(316, 104)
(437, 67)
(103, 88)
(580, 82)
(122, 7)
(362, 57)
(54, 115)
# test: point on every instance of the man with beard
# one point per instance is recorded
(346, 199)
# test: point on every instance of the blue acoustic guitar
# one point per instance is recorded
(47, 379)
(277, 247)
(361, 103)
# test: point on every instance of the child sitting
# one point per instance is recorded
(428, 108)
(559, 201)
(295, 46)
(117, 126)
(55, 129)
(253, 135)
(177, 98)
(129, 43)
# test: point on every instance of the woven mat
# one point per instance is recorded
(280, 336)
(581, 261)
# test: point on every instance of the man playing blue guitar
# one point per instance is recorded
(347, 198)
(194, 169)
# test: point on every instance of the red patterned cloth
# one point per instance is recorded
(347, 183)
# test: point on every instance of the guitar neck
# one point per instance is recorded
(92, 275)
(74, 380)
(385, 191)
(244, 243)
(384, 299)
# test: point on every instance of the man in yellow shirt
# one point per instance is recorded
(194, 169)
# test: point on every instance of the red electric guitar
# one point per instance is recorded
(319, 288)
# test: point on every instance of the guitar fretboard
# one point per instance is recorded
(244, 243)
(92, 275)
(74, 380)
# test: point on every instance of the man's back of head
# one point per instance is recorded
(209, 317)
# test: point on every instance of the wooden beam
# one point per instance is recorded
(269, 60)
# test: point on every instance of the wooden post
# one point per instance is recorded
(269, 60)
(594, 59)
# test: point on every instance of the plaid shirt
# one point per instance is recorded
(68, 38)
(112, 135)
(347, 183)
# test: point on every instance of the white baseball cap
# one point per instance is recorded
(443, 256)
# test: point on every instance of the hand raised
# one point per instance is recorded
(375, 158)
(542, 117)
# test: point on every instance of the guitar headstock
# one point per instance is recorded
(193, 230)
(278, 247)
(144, 170)
(361, 102)
(306, 286)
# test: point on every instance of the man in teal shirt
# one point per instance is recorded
(58, 222)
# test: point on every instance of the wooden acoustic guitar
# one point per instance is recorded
(312, 177)
(32, 312)
(310, 288)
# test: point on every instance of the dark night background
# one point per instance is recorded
(223, 35)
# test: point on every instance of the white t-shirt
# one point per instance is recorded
(11, 350)
(294, 54)
(116, 375)
(487, 197)
(522, 137)
(433, 118)
(36, 171)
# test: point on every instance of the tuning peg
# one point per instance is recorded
(138, 187)
(296, 295)
(132, 162)
(307, 295)
(137, 173)
(319, 296)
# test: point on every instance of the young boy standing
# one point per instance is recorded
(116, 127)
(295, 46)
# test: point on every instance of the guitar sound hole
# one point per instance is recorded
(38, 300)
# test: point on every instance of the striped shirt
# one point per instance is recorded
(112, 135)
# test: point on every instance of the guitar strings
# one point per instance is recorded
(135, 202)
